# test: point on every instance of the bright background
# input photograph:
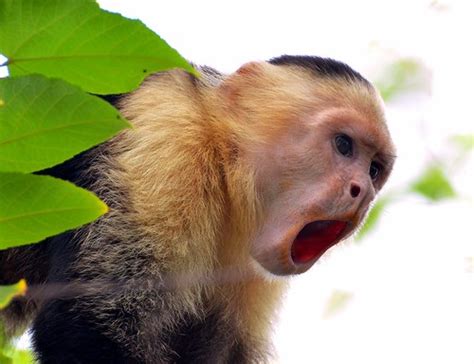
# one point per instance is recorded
(405, 293)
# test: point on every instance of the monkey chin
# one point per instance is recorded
(300, 246)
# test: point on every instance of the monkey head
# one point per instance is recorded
(320, 151)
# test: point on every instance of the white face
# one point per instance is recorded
(317, 182)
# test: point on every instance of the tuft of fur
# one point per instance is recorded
(166, 275)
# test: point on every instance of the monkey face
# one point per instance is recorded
(317, 181)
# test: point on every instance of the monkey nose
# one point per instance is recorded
(355, 190)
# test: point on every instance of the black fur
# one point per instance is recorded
(194, 339)
(321, 66)
(62, 334)
(67, 328)
(111, 99)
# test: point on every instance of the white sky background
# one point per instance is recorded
(411, 281)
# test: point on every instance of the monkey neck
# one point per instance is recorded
(190, 195)
(185, 182)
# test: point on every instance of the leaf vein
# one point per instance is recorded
(45, 212)
(47, 130)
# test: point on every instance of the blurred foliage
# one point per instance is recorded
(9, 354)
(433, 184)
(337, 302)
(7, 293)
(22, 357)
(401, 76)
(464, 142)
(373, 216)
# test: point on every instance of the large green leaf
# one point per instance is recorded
(44, 122)
(75, 40)
(433, 184)
(7, 293)
(34, 207)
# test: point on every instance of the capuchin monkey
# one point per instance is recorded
(225, 186)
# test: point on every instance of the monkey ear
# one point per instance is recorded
(245, 76)
(250, 69)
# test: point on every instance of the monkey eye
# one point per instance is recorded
(374, 170)
(344, 145)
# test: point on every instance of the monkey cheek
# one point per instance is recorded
(276, 262)
(272, 250)
(279, 263)
(273, 254)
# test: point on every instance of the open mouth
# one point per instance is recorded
(315, 238)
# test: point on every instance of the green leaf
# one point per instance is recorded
(373, 217)
(102, 52)
(7, 293)
(433, 185)
(44, 122)
(34, 207)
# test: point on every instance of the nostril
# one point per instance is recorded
(355, 190)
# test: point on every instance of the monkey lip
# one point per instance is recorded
(315, 238)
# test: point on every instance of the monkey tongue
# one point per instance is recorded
(314, 239)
